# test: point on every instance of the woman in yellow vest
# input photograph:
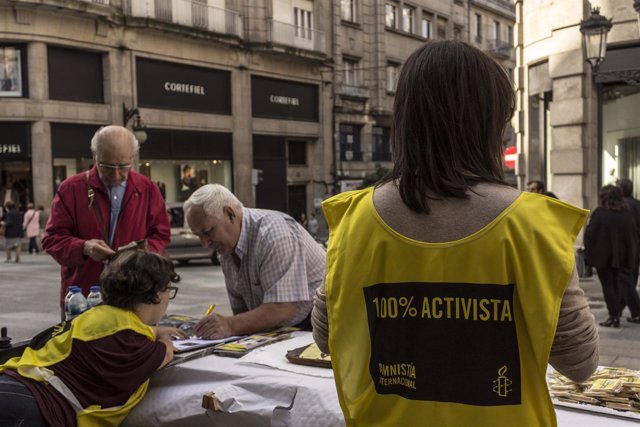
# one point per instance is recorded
(446, 289)
(93, 370)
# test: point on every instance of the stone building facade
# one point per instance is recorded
(231, 89)
(372, 40)
(576, 130)
(283, 101)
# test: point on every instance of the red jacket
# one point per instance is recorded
(143, 216)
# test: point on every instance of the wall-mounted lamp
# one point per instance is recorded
(138, 127)
(594, 31)
(636, 6)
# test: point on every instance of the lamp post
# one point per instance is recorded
(594, 31)
(138, 127)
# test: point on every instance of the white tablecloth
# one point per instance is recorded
(260, 395)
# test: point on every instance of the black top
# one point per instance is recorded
(634, 206)
(611, 239)
(13, 224)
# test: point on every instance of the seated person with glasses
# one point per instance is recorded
(94, 369)
(97, 211)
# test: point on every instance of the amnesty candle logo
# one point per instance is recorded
(502, 383)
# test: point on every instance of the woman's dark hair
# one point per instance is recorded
(451, 106)
(611, 198)
(136, 277)
(626, 185)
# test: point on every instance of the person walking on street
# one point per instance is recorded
(13, 230)
(537, 186)
(313, 225)
(31, 227)
(43, 216)
(97, 211)
(611, 245)
(626, 185)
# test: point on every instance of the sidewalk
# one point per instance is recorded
(618, 346)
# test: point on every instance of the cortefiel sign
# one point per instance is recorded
(168, 85)
(282, 99)
(15, 140)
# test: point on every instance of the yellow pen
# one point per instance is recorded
(210, 310)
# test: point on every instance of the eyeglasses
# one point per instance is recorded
(108, 166)
(173, 291)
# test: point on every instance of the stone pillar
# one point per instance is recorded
(41, 154)
(242, 136)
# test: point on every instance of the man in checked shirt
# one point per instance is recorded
(271, 265)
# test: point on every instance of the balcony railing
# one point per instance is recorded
(104, 2)
(500, 48)
(187, 13)
(350, 155)
(296, 36)
(351, 91)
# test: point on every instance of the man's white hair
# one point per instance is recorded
(212, 198)
(107, 132)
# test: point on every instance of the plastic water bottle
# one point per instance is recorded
(77, 303)
(66, 301)
(95, 297)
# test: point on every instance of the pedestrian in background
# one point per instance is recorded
(313, 225)
(13, 230)
(409, 258)
(536, 186)
(43, 216)
(626, 185)
(611, 245)
(31, 227)
(97, 211)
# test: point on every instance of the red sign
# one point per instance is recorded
(510, 156)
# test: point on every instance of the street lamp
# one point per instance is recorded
(138, 127)
(594, 31)
(636, 6)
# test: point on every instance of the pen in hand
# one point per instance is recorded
(210, 309)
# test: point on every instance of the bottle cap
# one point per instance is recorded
(75, 290)
(95, 288)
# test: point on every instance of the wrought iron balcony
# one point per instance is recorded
(187, 13)
(104, 2)
(351, 91)
(296, 36)
(500, 48)
(350, 155)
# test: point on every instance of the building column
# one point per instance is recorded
(242, 136)
(41, 161)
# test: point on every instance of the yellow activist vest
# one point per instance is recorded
(446, 334)
(99, 322)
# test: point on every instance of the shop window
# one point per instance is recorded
(390, 13)
(350, 148)
(297, 153)
(381, 148)
(75, 75)
(12, 72)
(15, 164)
(348, 9)
(297, 201)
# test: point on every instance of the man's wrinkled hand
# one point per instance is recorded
(97, 249)
(213, 327)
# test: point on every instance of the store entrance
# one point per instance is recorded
(15, 182)
(621, 135)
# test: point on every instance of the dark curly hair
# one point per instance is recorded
(136, 277)
(611, 198)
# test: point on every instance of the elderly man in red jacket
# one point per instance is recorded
(97, 211)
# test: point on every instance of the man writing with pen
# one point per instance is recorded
(271, 265)
(97, 211)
